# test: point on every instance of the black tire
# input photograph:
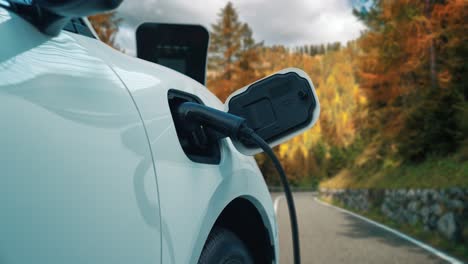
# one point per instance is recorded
(224, 247)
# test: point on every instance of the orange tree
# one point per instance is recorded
(412, 74)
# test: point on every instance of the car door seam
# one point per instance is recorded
(150, 150)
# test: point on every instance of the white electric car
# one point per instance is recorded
(95, 165)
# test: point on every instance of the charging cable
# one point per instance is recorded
(228, 125)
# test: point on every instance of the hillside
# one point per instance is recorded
(394, 110)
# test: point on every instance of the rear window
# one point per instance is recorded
(78, 26)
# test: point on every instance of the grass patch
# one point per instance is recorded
(459, 251)
(432, 173)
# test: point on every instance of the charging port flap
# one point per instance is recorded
(277, 107)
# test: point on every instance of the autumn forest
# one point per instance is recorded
(393, 97)
(394, 108)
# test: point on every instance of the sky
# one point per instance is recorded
(285, 22)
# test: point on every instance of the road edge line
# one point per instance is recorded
(397, 233)
(276, 203)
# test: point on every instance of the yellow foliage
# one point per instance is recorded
(333, 76)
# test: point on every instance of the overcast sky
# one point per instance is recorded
(286, 22)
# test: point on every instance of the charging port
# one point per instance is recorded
(197, 142)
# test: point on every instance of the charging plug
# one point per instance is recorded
(221, 123)
(227, 125)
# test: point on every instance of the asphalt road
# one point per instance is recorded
(331, 236)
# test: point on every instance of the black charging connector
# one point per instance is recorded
(228, 125)
(225, 124)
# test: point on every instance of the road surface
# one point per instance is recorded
(331, 236)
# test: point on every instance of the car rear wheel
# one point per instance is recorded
(224, 247)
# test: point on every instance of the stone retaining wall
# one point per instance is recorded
(438, 210)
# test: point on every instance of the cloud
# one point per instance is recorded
(291, 22)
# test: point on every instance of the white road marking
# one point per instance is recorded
(276, 203)
(395, 232)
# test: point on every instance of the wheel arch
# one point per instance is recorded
(243, 217)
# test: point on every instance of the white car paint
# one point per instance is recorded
(92, 170)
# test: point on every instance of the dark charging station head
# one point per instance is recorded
(177, 46)
(277, 107)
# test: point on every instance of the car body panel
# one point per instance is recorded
(192, 194)
(78, 184)
(99, 174)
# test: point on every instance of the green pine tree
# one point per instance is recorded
(226, 41)
(248, 50)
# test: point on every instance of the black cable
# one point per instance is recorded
(250, 134)
(228, 125)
